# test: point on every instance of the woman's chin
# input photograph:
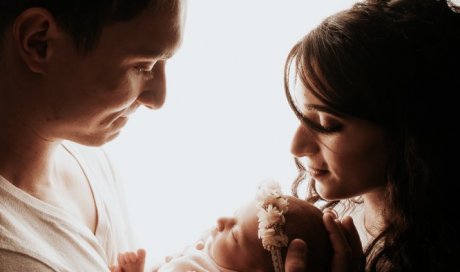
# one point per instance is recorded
(326, 194)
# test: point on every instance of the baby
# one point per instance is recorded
(254, 239)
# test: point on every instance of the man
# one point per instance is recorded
(73, 70)
(71, 74)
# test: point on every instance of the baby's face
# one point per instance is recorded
(235, 243)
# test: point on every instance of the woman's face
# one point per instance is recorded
(346, 156)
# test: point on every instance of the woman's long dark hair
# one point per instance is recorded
(397, 64)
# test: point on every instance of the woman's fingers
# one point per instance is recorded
(296, 259)
(342, 258)
(352, 236)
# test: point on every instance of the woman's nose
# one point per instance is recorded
(304, 142)
(225, 223)
(153, 93)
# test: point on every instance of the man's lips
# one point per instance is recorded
(128, 112)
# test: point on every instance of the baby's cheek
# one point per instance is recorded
(223, 255)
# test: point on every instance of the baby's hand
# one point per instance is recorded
(130, 262)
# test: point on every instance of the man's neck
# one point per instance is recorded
(26, 160)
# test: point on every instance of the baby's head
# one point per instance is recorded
(237, 246)
(305, 221)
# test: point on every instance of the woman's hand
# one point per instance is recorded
(348, 252)
(296, 259)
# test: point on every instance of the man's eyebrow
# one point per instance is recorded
(323, 108)
(154, 54)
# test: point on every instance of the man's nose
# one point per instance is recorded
(153, 92)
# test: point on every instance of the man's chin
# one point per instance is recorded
(96, 140)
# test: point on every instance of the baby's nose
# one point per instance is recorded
(225, 222)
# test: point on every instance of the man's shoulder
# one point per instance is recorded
(13, 261)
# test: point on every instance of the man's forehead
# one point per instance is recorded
(150, 36)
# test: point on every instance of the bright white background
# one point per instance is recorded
(225, 126)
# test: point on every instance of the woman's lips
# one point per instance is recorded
(316, 173)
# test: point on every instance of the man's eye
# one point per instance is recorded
(144, 73)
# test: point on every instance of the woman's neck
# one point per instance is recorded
(373, 212)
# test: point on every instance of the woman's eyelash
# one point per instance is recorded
(315, 125)
(319, 128)
(330, 129)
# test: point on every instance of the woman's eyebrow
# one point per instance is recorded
(323, 108)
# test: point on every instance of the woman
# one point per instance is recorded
(374, 87)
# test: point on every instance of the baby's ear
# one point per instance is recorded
(34, 31)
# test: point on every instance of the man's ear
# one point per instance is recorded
(33, 33)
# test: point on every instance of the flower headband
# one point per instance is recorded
(454, 5)
(271, 207)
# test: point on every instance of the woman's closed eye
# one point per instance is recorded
(324, 125)
(329, 124)
(320, 119)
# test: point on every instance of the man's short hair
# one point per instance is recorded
(82, 19)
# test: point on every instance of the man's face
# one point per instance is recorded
(236, 245)
(89, 97)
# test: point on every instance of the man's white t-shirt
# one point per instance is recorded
(36, 236)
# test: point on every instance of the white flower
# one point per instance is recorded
(268, 189)
(272, 206)
(275, 240)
